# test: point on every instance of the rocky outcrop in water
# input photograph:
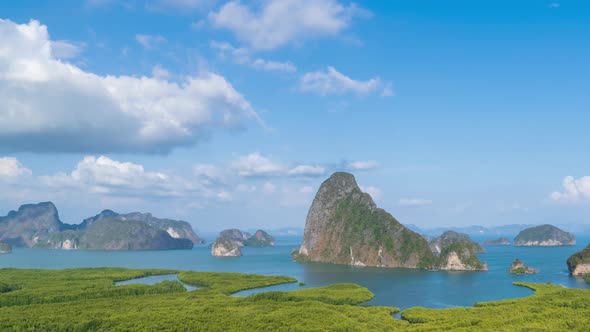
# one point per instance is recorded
(230, 239)
(579, 263)
(497, 242)
(260, 239)
(544, 236)
(518, 267)
(457, 252)
(38, 225)
(344, 226)
(5, 248)
(225, 247)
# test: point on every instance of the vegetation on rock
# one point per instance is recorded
(544, 235)
(518, 267)
(579, 263)
(38, 225)
(502, 241)
(344, 226)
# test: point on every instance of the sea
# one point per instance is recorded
(402, 288)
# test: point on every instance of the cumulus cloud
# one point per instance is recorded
(363, 165)
(102, 175)
(11, 168)
(414, 202)
(332, 82)
(256, 165)
(375, 192)
(574, 190)
(242, 56)
(52, 106)
(277, 23)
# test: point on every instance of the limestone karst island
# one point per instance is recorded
(294, 165)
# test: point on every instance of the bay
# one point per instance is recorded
(403, 288)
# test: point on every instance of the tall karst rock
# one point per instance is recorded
(344, 226)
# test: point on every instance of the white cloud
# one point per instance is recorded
(414, 202)
(574, 190)
(363, 165)
(150, 41)
(256, 165)
(49, 105)
(103, 175)
(64, 49)
(309, 170)
(242, 56)
(267, 65)
(333, 82)
(554, 5)
(11, 168)
(277, 23)
(375, 192)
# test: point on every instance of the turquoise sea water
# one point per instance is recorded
(401, 288)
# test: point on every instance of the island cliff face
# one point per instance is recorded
(38, 225)
(344, 226)
(225, 247)
(544, 236)
(579, 263)
(457, 252)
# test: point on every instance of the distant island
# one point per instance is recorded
(344, 226)
(5, 248)
(39, 226)
(229, 242)
(497, 242)
(518, 267)
(543, 236)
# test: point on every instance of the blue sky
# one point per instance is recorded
(232, 113)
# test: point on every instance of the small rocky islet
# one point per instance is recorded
(518, 267)
(229, 242)
(502, 241)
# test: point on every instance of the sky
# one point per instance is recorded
(232, 113)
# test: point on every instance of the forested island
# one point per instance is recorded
(39, 226)
(345, 226)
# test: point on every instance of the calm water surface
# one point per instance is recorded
(401, 288)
